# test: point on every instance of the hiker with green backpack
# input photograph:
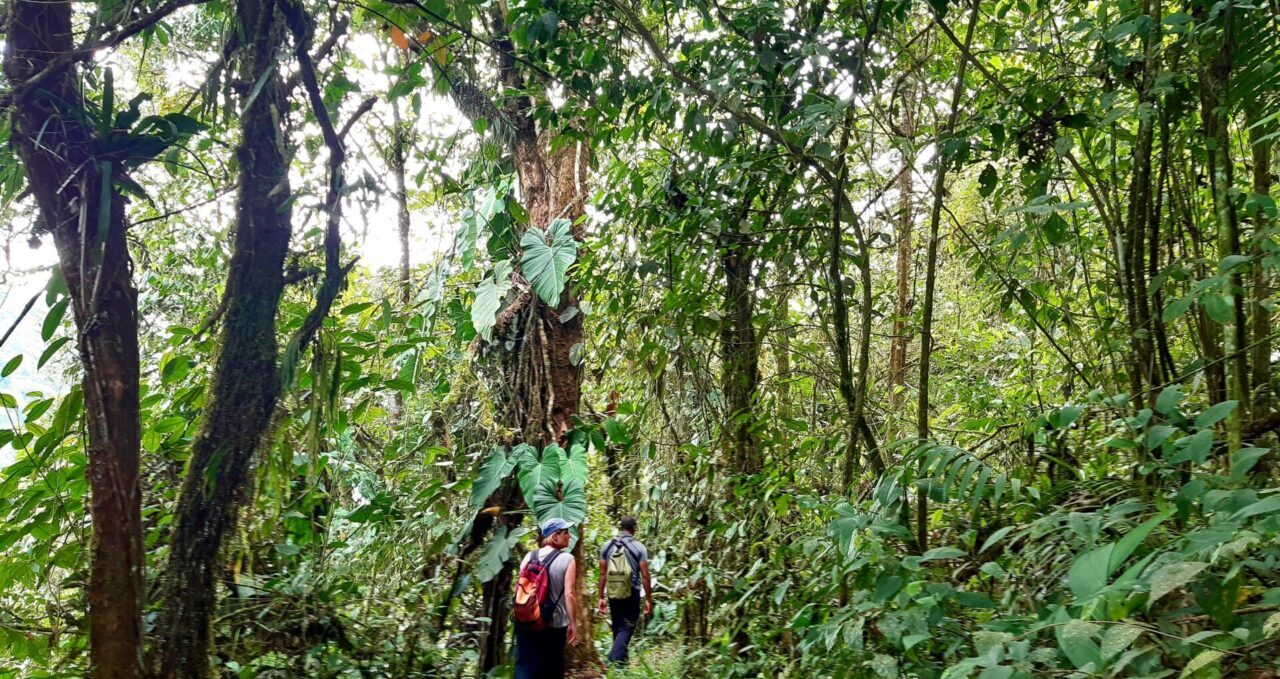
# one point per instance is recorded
(624, 566)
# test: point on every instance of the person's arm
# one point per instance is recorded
(570, 590)
(603, 604)
(648, 587)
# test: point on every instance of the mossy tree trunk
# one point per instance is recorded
(246, 378)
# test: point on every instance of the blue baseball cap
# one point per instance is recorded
(553, 526)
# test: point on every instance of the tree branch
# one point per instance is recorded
(334, 273)
(86, 52)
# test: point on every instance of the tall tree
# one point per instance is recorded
(1216, 56)
(246, 380)
(75, 151)
(904, 261)
(535, 345)
(248, 377)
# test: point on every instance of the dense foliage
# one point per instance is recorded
(927, 339)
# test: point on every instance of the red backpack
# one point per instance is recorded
(534, 606)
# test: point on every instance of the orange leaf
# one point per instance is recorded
(399, 38)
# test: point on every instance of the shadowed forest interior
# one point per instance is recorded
(923, 338)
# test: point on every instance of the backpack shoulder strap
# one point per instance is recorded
(551, 558)
(633, 554)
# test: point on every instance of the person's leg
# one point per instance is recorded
(527, 656)
(554, 647)
(625, 614)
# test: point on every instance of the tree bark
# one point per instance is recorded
(851, 396)
(399, 153)
(1139, 217)
(782, 354)
(78, 204)
(246, 380)
(1168, 368)
(739, 351)
(400, 142)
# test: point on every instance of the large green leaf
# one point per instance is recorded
(489, 294)
(570, 505)
(54, 318)
(1215, 414)
(497, 551)
(1127, 544)
(1076, 639)
(1173, 576)
(536, 469)
(547, 258)
(1264, 506)
(575, 464)
(496, 468)
(1089, 573)
(1117, 638)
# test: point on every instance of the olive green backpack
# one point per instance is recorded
(619, 573)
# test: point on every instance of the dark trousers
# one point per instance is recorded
(540, 654)
(625, 615)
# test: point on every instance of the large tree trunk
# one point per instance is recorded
(739, 353)
(246, 381)
(533, 349)
(69, 186)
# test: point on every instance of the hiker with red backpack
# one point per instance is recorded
(624, 566)
(545, 621)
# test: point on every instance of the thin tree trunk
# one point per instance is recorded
(1168, 368)
(854, 398)
(246, 379)
(399, 153)
(902, 274)
(70, 187)
(1215, 75)
(930, 276)
(782, 353)
(1136, 227)
(1206, 332)
(1261, 143)
(399, 150)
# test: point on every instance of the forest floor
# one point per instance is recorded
(656, 659)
